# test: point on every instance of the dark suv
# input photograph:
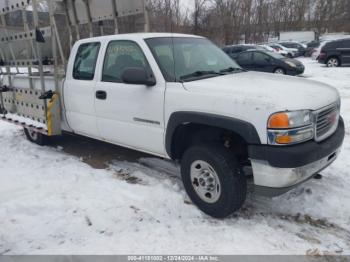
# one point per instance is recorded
(335, 53)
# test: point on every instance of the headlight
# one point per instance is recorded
(290, 64)
(290, 119)
(286, 128)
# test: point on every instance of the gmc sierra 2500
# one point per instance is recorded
(181, 97)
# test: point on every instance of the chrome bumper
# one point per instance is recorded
(268, 176)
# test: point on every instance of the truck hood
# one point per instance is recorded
(268, 91)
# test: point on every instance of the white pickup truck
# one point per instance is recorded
(181, 97)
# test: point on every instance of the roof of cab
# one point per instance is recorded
(135, 36)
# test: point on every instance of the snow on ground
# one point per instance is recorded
(54, 203)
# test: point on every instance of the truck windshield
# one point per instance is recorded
(187, 59)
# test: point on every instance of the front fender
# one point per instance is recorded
(240, 127)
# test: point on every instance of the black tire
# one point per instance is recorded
(279, 70)
(35, 137)
(229, 172)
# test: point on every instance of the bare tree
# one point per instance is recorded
(230, 21)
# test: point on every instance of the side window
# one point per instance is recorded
(235, 49)
(120, 55)
(261, 59)
(85, 61)
(227, 50)
(345, 44)
(244, 58)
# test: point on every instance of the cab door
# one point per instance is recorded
(127, 114)
(79, 89)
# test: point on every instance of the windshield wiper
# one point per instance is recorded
(231, 69)
(200, 73)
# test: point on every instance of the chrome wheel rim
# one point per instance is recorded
(205, 181)
(332, 62)
(33, 135)
(279, 71)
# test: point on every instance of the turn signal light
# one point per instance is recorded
(279, 120)
(283, 140)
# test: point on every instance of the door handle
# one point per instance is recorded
(102, 95)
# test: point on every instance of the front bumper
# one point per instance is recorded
(296, 71)
(277, 169)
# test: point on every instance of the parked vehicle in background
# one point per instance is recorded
(233, 50)
(316, 52)
(269, 62)
(335, 53)
(288, 52)
(311, 47)
(300, 47)
(268, 48)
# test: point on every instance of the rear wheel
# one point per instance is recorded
(333, 62)
(36, 137)
(214, 180)
(280, 71)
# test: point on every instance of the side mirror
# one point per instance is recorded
(137, 76)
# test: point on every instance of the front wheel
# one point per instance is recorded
(214, 180)
(36, 137)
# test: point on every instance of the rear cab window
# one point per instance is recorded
(85, 61)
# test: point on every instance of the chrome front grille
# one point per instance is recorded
(326, 122)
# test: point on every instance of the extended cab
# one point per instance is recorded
(181, 97)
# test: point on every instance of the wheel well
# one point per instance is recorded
(190, 134)
(334, 56)
(279, 67)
